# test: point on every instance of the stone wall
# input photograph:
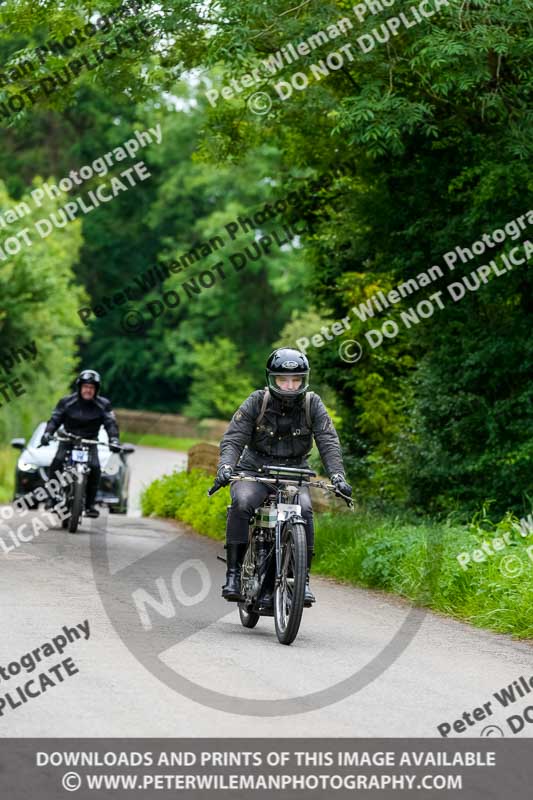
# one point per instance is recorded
(170, 425)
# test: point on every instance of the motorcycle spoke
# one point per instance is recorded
(287, 583)
(290, 592)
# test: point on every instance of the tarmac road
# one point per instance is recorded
(108, 572)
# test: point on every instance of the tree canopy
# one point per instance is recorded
(429, 132)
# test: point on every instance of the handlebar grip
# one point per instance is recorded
(217, 485)
(348, 500)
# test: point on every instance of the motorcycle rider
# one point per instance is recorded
(82, 413)
(275, 426)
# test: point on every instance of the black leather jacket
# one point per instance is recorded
(283, 436)
(83, 417)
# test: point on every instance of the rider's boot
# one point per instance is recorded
(90, 497)
(309, 597)
(235, 555)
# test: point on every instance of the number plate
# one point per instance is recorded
(80, 456)
(285, 509)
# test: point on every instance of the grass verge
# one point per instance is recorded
(8, 459)
(156, 440)
(417, 561)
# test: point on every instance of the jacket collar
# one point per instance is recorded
(281, 406)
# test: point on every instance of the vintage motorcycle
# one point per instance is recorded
(77, 462)
(276, 558)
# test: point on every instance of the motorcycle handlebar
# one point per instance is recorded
(71, 437)
(320, 484)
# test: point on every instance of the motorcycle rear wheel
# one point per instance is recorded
(249, 619)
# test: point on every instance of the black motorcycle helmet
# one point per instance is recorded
(89, 376)
(289, 362)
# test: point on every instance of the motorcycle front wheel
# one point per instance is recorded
(67, 501)
(78, 498)
(289, 594)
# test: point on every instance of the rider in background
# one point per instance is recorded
(82, 414)
(275, 426)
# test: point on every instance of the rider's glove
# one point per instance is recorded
(45, 439)
(339, 482)
(114, 445)
(224, 474)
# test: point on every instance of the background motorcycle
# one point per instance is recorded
(77, 462)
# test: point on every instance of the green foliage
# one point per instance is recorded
(183, 496)
(159, 361)
(8, 460)
(420, 562)
(433, 131)
(302, 325)
(38, 302)
(219, 382)
(436, 126)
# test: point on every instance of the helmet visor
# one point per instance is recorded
(286, 384)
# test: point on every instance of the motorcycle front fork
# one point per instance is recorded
(279, 534)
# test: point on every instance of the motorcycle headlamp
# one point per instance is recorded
(25, 467)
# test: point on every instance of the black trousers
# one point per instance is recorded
(94, 463)
(246, 497)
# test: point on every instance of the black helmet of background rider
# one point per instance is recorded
(88, 376)
(287, 362)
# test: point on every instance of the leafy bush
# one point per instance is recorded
(219, 384)
(38, 302)
(8, 459)
(183, 496)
